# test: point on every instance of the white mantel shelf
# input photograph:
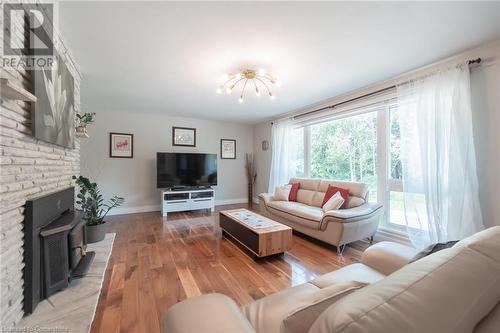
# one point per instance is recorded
(11, 91)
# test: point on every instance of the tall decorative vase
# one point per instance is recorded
(251, 175)
(250, 195)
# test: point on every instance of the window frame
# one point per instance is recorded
(385, 184)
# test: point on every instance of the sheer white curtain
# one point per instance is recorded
(282, 152)
(439, 166)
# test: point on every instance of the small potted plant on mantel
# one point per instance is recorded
(94, 208)
(83, 120)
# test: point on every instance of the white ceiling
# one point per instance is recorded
(168, 57)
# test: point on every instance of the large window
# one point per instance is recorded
(362, 147)
(346, 149)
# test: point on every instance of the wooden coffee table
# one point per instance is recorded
(258, 234)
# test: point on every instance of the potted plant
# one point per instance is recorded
(83, 120)
(94, 208)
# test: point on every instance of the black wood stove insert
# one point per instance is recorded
(54, 246)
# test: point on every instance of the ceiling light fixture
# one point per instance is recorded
(257, 80)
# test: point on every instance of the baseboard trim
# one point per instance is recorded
(230, 201)
(157, 208)
(134, 210)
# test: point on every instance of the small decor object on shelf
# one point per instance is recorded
(228, 149)
(183, 136)
(251, 176)
(83, 119)
(121, 145)
(94, 209)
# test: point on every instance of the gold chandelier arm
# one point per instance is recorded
(243, 90)
(265, 85)
(255, 85)
(235, 82)
(229, 81)
(270, 78)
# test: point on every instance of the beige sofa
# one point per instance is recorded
(452, 291)
(337, 227)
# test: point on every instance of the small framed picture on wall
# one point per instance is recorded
(228, 149)
(121, 145)
(184, 136)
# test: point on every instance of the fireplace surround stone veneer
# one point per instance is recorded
(29, 168)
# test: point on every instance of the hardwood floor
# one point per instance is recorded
(156, 263)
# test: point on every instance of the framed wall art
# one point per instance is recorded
(228, 149)
(183, 136)
(121, 145)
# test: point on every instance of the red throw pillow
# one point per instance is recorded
(293, 192)
(334, 189)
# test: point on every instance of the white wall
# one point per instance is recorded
(262, 132)
(485, 92)
(135, 179)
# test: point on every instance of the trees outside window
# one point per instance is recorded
(363, 147)
(346, 149)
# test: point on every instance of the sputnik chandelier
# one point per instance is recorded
(257, 80)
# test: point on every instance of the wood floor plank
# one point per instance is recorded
(156, 263)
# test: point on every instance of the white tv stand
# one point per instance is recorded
(173, 200)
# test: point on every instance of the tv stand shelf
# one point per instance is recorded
(177, 200)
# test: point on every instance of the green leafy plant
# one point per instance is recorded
(92, 203)
(85, 118)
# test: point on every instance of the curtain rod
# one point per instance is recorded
(470, 62)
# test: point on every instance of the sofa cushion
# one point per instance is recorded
(355, 189)
(354, 202)
(491, 322)
(317, 200)
(267, 313)
(305, 196)
(335, 202)
(353, 272)
(486, 242)
(448, 291)
(307, 183)
(293, 192)
(298, 209)
(334, 189)
(388, 257)
(309, 308)
(295, 309)
(216, 311)
(282, 193)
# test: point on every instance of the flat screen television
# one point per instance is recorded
(185, 170)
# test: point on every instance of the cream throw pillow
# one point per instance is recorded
(335, 202)
(281, 193)
(309, 309)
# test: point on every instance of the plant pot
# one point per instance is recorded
(81, 132)
(95, 233)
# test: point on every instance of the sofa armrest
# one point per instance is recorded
(208, 313)
(353, 213)
(388, 257)
(266, 197)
